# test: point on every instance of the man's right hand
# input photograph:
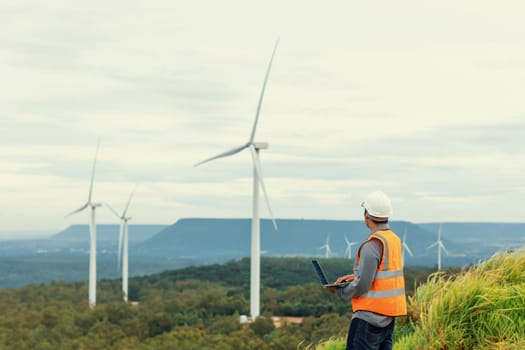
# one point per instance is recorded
(346, 278)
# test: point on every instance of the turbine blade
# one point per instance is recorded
(258, 169)
(78, 210)
(432, 245)
(120, 235)
(252, 135)
(347, 241)
(93, 173)
(129, 201)
(408, 249)
(113, 210)
(224, 154)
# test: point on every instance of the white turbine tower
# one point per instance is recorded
(405, 247)
(254, 147)
(440, 246)
(123, 245)
(326, 247)
(92, 237)
(349, 245)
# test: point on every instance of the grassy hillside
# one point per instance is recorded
(481, 308)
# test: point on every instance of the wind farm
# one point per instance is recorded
(187, 98)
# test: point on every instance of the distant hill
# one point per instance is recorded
(75, 240)
(108, 232)
(212, 240)
(200, 241)
(481, 238)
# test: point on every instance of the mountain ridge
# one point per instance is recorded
(210, 240)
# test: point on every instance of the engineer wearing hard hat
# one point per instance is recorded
(377, 287)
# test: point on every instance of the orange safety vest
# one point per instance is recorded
(386, 296)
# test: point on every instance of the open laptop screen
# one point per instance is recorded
(322, 276)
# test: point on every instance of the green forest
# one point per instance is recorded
(190, 308)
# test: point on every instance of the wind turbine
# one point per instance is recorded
(405, 247)
(440, 246)
(92, 237)
(123, 244)
(349, 245)
(254, 147)
(326, 247)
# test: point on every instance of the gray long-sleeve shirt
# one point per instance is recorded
(370, 258)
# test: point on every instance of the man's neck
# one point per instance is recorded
(374, 227)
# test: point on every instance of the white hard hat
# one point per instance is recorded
(377, 204)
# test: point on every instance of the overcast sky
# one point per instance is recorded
(422, 99)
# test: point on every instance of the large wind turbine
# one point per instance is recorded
(92, 237)
(440, 246)
(326, 247)
(405, 247)
(123, 245)
(254, 147)
(348, 250)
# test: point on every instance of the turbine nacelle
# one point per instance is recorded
(260, 145)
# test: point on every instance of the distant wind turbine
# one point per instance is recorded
(92, 237)
(326, 247)
(440, 246)
(349, 245)
(405, 247)
(254, 147)
(123, 244)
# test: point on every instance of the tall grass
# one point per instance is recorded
(480, 308)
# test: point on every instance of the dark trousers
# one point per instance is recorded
(364, 336)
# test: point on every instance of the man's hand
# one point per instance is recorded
(346, 278)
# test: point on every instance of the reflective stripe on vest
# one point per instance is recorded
(383, 294)
(389, 274)
(386, 295)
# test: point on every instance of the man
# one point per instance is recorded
(377, 288)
